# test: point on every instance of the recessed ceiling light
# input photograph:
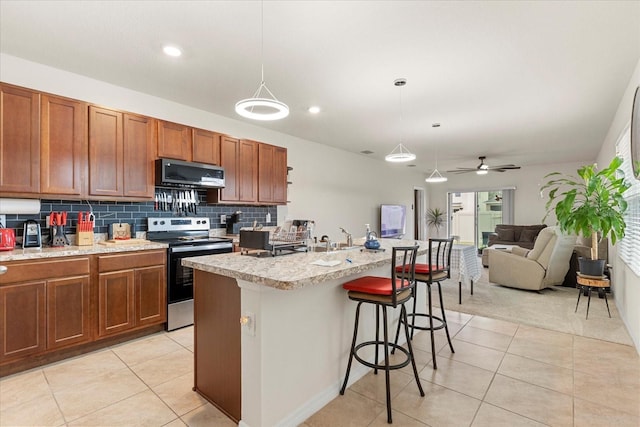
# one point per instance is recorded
(435, 125)
(172, 51)
(314, 109)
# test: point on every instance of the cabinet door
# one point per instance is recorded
(116, 307)
(105, 152)
(63, 145)
(279, 177)
(206, 146)
(229, 161)
(248, 171)
(272, 174)
(151, 295)
(68, 319)
(22, 313)
(174, 141)
(19, 140)
(139, 154)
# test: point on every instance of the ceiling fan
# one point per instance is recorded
(484, 168)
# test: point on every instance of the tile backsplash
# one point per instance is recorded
(136, 214)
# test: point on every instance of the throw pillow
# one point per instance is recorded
(528, 235)
(505, 235)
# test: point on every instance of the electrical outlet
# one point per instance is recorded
(3, 220)
(248, 322)
(223, 219)
(48, 221)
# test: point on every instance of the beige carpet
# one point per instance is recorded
(549, 309)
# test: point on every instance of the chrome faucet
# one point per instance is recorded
(349, 238)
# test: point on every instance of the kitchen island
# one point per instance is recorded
(288, 358)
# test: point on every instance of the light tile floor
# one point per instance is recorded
(502, 374)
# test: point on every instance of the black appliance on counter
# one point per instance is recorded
(186, 237)
(232, 223)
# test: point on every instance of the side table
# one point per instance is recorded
(588, 282)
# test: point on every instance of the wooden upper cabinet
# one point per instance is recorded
(63, 145)
(174, 141)
(121, 154)
(229, 148)
(139, 154)
(106, 151)
(206, 146)
(272, 174)
(248, 170)
(19, 140)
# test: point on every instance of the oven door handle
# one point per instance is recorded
(199, 248)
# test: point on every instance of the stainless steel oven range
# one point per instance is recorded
(186, 237)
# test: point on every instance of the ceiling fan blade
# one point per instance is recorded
(504, 167)
(462, 170)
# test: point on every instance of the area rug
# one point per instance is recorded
(552, 309)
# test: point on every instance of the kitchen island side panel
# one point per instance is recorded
(217, 341)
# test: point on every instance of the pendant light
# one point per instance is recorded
(400, 153)
(263, 105)
(436, 176)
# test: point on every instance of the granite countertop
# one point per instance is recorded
(295, 271)
(68, 251)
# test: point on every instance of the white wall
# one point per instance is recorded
(626, 283)
(529, 207)
(334, 187)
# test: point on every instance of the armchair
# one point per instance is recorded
(542, 267)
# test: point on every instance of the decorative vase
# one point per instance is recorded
(591, 267)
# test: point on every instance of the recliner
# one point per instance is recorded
(542, 267)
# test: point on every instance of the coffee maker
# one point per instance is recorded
(232, 223)
(31, 237)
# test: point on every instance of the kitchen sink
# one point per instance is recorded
(334, 247)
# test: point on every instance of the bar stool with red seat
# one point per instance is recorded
(437, 270)
(385, 292)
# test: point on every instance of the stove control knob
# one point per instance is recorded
(155, 222)
(161, 222)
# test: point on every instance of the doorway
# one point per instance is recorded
(473, 215)
(418, 211)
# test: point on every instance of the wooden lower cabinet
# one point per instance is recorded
(115, 302)
(57, 306)
(22, 312)
(68, 312)
(134, 295)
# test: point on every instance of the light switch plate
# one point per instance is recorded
(223, 219)
(3, 220)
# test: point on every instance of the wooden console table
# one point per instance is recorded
(589, 282)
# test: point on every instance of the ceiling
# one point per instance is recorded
(520, 82)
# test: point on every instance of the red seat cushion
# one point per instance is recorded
(420, 268)
(370, 285)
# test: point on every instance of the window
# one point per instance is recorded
(629, 246)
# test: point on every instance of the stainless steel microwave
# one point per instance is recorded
(178, 173)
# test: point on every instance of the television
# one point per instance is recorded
(393, 220)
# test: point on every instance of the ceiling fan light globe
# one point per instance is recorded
(482, 171)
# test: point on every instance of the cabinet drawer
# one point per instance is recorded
(23, 271)
(125, 261)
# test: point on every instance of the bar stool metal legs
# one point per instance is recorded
(386, 345)
(442, 322)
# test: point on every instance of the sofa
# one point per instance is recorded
(542, 267)
(518, 235)
(523, 236)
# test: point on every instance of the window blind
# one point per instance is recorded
(629, 246)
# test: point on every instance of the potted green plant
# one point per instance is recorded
(435, 219)
(591, 205)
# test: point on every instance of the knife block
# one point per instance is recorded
(84, 238)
